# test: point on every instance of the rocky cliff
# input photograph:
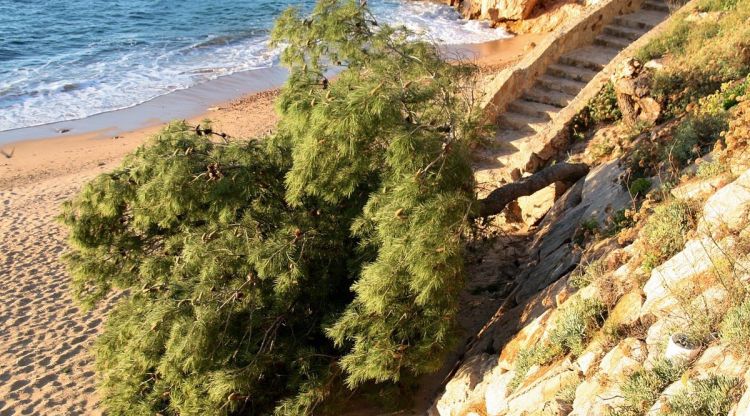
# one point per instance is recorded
(632, 296)
(521, 16)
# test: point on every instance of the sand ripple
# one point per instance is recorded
(45, 364)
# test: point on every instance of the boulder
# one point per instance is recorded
(632, 86)
(534, 207)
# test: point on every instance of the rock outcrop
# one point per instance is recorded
(494, 10)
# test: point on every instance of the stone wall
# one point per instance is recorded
(512, 82)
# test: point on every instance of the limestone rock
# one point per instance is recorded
(508, 9)
(603, 192)
(494, 10)
(495, 396)
(678, 273)
(698, 189)
(627, 311)
(460, 391)
(627, 355)
(525, 339)
(539, 394)
(589, 397)
(719, 359)
(591, 356)
(729, 207)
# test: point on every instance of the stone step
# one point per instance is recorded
(642, 19)
(624, 32)
(562, 84)
(659, 6)
(610, 41)
(571, 72)
(545, 96)
(524, 123)
(512, 135)
(593, 57)
(534, 109)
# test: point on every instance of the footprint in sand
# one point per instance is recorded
(49, 378)
(18, 385)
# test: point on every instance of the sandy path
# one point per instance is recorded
(44, 336)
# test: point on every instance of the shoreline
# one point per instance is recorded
(95, 142)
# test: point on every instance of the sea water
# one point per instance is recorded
(69, 59)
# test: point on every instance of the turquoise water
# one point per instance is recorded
(69, 59)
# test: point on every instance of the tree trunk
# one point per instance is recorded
(497, 200)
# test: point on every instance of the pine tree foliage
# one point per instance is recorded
(262, 276)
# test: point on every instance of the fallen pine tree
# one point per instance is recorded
(268, 276)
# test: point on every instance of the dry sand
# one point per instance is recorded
(46, 367)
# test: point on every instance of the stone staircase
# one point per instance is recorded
(562, 82)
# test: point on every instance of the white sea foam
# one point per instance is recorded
(438, 22)
(80, 85)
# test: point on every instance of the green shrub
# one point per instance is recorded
(710, 169)
(603, 107)
(693, 138)
(703, 54)
(620, 220)
(644, 386)
(735, 328)
(536, 355)
(262, 277)
(712, 396)
(665, 231)
(672, 40)
(567, 393)
(575, 324)
(639, 187)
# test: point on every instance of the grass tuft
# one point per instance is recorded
(712, 396)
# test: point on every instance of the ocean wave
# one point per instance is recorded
(128, 68)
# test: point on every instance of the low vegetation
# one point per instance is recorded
(735, 328)
(575, 324)
(587, 273)
(644, 386)
(704, 53)
(665, 231)
(711, 396)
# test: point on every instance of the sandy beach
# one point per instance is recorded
(45, 363)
